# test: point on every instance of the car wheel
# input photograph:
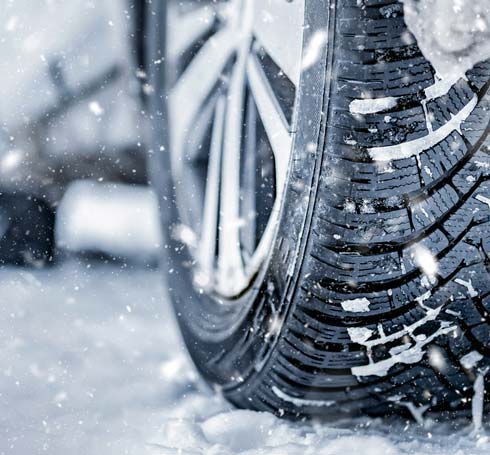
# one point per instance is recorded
(26, 231)
(326, 201)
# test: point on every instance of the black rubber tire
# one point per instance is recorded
(27, 231)
(348, 233)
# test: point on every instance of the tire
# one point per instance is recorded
(375, 290)
(26, 231)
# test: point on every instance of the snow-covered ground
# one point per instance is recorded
(91, 363)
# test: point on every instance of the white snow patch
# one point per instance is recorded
(405, 353)
(254, 433)
(96, 108)
(357, 444)
(11, 160)
(300, 402)
(437, 359)
(428, 171)
(477, 402)
(441, 87)
(185, 235)
(119, 385)
(421, 299)
(359, 334)
(409, 356)
(453, 35)
(470, 360)
(417, 412)
(360, 305)
(425, 261)
(233, 429)
(372, 106)
(468, 285)
(483, 199)
(417, 146)
(431, 315)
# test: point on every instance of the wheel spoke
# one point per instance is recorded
(273, 120)
(195, 85)
(278, 26)
(248, 184)
(207, 247)
(185, 29)
(234, 109)
(230, 263)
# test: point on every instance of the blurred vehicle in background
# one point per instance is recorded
(71, 109)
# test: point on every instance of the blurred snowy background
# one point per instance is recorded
(90, 357)
(71, 109)
(83, 344)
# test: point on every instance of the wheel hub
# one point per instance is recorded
(231, 111)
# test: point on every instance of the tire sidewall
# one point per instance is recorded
(230, 342)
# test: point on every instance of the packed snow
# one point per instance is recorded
(372, 106)
(416, 147)
(453, 34)
(360, 305)
(471, 359)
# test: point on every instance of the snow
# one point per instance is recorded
(96, 108)
(416, 412)
(437, 359)
(68, 89)
(453, 34)
(300, 402)
(359, 334)
(418, 146)
(91, 360)
(472, 292)
(82, 40)
(471, 359)
(404, 353)
(372, 106)
(10, 161)
(425, 261)
(81, 374)
(360, 305)
(118, 220)
(408, 354)
(484, 199)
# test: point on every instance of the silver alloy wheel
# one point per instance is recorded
(236, 67)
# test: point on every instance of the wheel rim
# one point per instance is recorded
(235, 67)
